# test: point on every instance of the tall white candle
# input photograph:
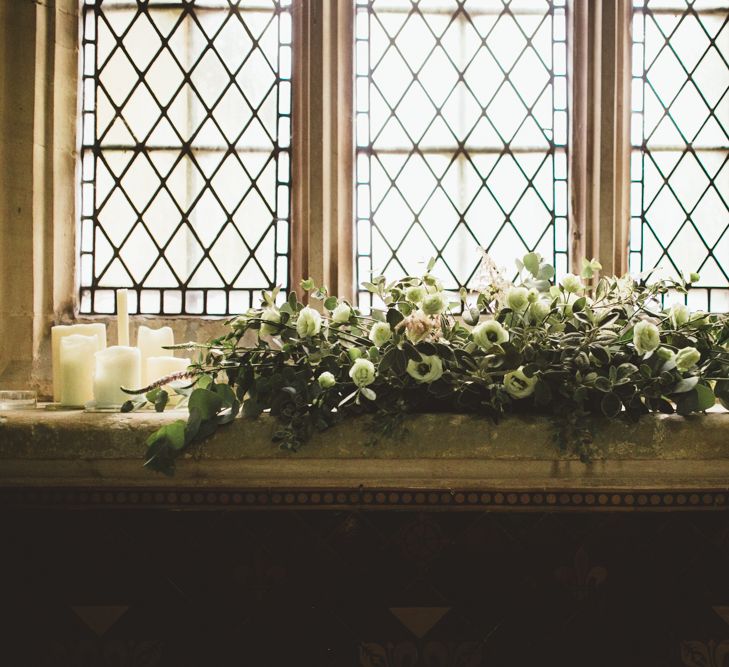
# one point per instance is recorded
(97, 330)
(150, 343)
(158, 367)
(122, 315)
(116, 367)
(77, 369)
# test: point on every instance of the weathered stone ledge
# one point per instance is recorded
(44, 434)
(45, 449)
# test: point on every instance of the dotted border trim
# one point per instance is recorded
(499, 500)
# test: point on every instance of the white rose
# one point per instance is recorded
(489, 333)
(679, 314)
(380, 333)
(417, 326)
(698, 318)
(326, 380)
(572, 283)
(362, 372)
(270, 317)
(341, 313)
(415, 294)
(665, 354)
(427, 370)
(434, 304)
(517, 298)
(539, 310)
(308, 322)
(518, 385)
(686, 358)
(646, 337)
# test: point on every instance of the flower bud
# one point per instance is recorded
(270, 318)
(354, 353)
(679, 315)
(242, 320)
(326, 380)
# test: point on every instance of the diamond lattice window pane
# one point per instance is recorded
(185, 153)
(680, 134)
(461, 135)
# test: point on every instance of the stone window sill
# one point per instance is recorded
(662, 462)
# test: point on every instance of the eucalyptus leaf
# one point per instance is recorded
(611, 405)
(685, 384)
(394, 317)
(160, 401)
(206, 401)
(410, 351)
(705, 396)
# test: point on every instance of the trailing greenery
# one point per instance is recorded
(582, 348)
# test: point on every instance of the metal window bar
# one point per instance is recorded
(548, 194)
(680, 85)
(206, 268)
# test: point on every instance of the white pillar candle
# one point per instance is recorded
(122, 318)
(77, 369)
(97, 330)
(150, 343)
(116, 367)
(158, 367)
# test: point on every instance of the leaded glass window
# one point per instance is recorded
(680, 125)
(185, 153)
(461, 134)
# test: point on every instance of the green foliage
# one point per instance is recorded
(569, 353)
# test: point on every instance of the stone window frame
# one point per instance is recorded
(38, 163)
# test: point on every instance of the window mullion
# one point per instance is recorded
(600, 155)
(323, 154)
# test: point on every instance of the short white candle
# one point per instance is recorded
(77, 369)
(122, 317)
(150, 343)
(159, 367)
(98, 330)
(116, 367)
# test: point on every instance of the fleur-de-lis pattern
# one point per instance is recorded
(582, 579)
(704, 654)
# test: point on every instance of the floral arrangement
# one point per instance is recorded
(584, 348)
